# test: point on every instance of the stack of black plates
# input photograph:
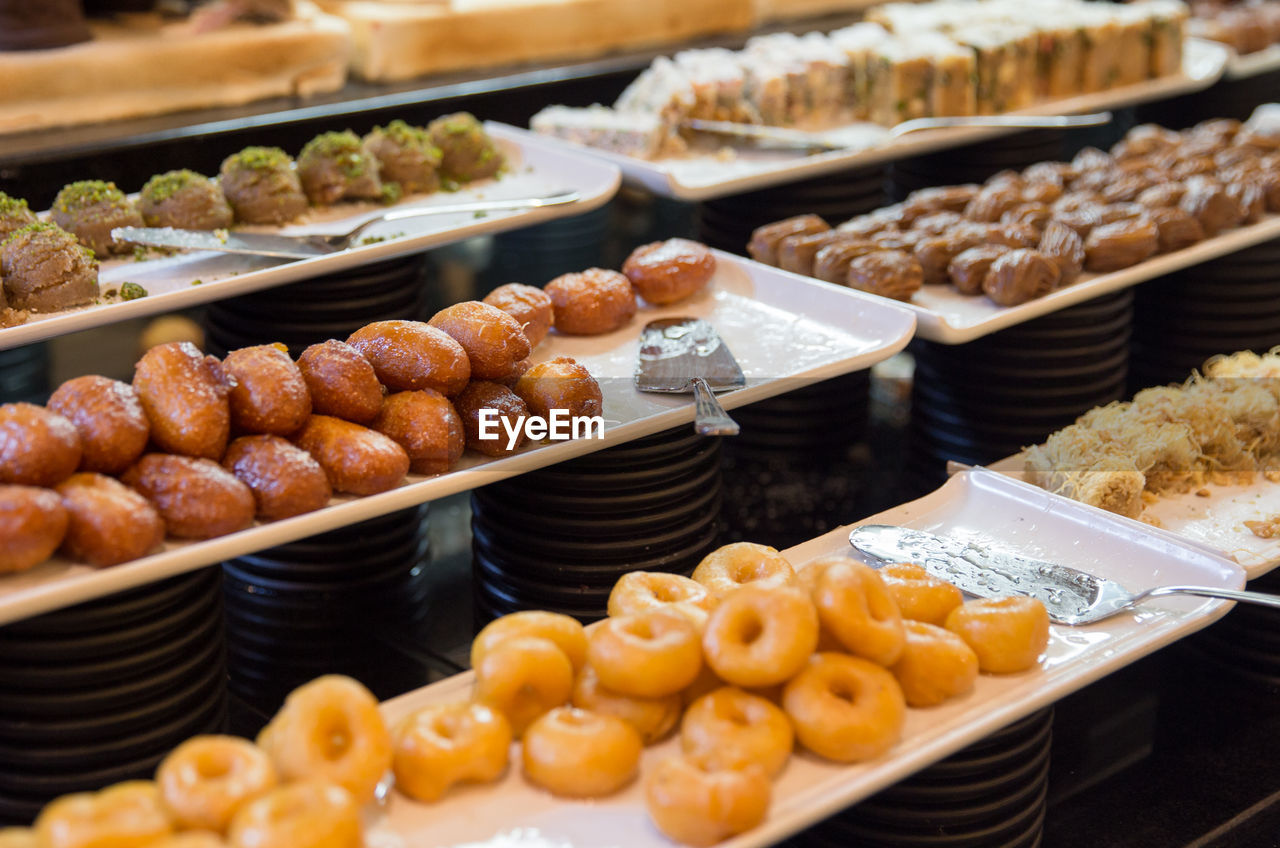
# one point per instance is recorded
(327, 604)
(559, 538)
(1224, 306)
(792, 473)
(535, 255)
(727, 222)
(24, 374)
(1245, 644)
(990, 795)
(974, 163)
(981, 401)
(100, 692)
(1228, 98)
(330, 307)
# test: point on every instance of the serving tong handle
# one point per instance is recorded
(709, 417)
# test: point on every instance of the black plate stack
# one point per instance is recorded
(535, 255)
(979, 402)
(328, 604)
(727, 222)
(989, 795)
(24, 374)
(1245, 644)
(1227, 98)
(328, 307)
(975, 162)
(101, 691)
(1223, 306)
(559, 538)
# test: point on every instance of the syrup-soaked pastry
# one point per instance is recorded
(935, 254)
(1050, 173)
(1192, 167)
(38, 447)
(1090, 159)
(1036, 215)
(1175, 228)
(1014, 235)
(993, 201)
(1164, 194)
(1065, 248)
(831, 263)
(506, 406)
(1251, 196)
(108, 523)
(1209, 202)
(944, 198)
(1120, 244)
(1082, 219)
(285, 480)
(1127, 187)
(866, 226)
(184, 394)
(269, 394)
(33, 522)
(1007, 177)
(591, 302)
(494, 340)
(1237, 155)
(108, 415)
(889, 273)
(529, 305)
(427, 426)
(667, 271)
(1042, 192)
(937, 223)
(903, 240)
(561, 383)
(197, 498)
(1095, 181)
(969, 268)
(1144, 140)
(341, 382)
(1269, 177)
(1221, 130)
(1019, 276)
(797, 253)
(357, 460)
(412, 355)
(766, 240)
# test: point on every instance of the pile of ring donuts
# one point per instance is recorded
(1023, 235)
(748, 657)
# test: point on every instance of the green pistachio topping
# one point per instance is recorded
(131, 291)
(42, 227)
(260, 159)
(391, 193)
(86, 193)
(13, 205)
(164, 186)
(411, 138)
(344, 148)
(459, 123)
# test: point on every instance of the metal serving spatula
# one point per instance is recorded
(1071, 596)
(682, 355)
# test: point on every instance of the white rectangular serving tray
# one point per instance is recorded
(980, 505)
(783, 335)
(537, 168)
(704, 177)
(1253, 64)
(1216, 521)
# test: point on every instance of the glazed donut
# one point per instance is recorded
(18, 837)
(666, 271)
(529, 305)
(695, 804)
(330, 730)
(187, 839)
(855, 606)
(522, 678)
(446, 744)
(919, 595)
(494, 340)
(732, 566)
(342, 383)
(207, 778)
(269, 394)
(38, 447)
(33, 523)
(426, 425)
(308, 814)
(646, 654)
(412, 355)
(125, 814)
(579, 754)
(109, 418)
(759, 636)
(652, 718)
(732, 729)
(565, 631)
(935, 665)
(1007, 634)
(640, 591)
(845, 708)
(590, 302)
(560, 383)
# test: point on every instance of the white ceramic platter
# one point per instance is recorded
(538, 168)
(1253, 64)
(1215, 520)
(705, 177)
(783, 335)
(982, 505)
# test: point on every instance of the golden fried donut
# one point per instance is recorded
(499, 424)
(33, 523)
(187, 839)
(342, 383)
(579, 754)
(197, 498)
(855, 606)
(666, 271)
(759, 636)
(205, 780)
(426, 425)
(356, 459)
(446, 744)
(733, 729)
(560, 384)
(184, 395)
(646, 654)
(309, 814)
(522, 678)
(109, 418)
(529, 305)
(590, 302)
(269, 395)
(285, 480)
(640, 591)
(919, 595)
(1007, 634)
(38, 447)
(108, 523)
(845, 708)
(565, 631)
(732, 566)
(652, 718)
(935, 665)
(330, 729)
(18, 837)
(494, 341)
(410, 355)
(696, 804)
(124, 814)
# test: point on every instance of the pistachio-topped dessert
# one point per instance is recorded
(262, 186)
(407, 156)
(186, 200)
(45, 269)
(337, 166)
(14, 215)
(91, 209)
(468, 153)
